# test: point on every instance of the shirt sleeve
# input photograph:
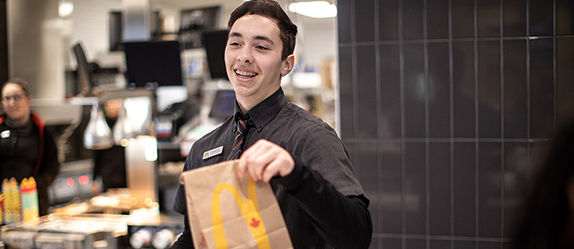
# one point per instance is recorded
(326, 187)
(344, 221)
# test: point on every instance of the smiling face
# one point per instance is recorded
(15, 103)
(253, 59)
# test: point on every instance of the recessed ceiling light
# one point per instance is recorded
(314, 9)
(65, 8)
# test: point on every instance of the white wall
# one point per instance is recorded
(317, 41)
(36, 48)
(90, 22)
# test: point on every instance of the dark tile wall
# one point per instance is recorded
(445, 104)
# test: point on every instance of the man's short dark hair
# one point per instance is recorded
(271, 9)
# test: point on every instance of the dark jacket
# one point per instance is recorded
(41, 162)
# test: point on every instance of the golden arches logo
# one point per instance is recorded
(249, 210)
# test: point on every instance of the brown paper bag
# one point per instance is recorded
(227, 212)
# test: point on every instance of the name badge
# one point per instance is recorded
(212, 152)
(5, 134)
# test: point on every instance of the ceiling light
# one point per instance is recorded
(65, 9)
(315, 9)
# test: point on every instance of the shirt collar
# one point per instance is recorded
(264, 112)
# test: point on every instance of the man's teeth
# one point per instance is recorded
(245, 73)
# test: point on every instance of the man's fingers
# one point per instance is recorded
(258, 160)
(271, 170)
(264, 160)
(241, 168)
(246, 159)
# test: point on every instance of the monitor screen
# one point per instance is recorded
(153, 64)
(223, 104)
(214, 43)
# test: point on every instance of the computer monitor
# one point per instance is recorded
(223, 104)
(152, 64)
(214, 43)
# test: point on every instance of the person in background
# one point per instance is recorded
(110, 164)
(303, 159)
(27, 148)
(546, 217)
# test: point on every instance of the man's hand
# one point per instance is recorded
(264, 160)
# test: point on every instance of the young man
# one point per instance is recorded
(322, 201)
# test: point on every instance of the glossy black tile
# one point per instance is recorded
(414, 87)
(390, 111)
(414, 196)
(489, 245)
(564, 77)
(392, 243)
(388, 20)
(439, 244)
(465, 244)
(463, 18)
(541, 88)
(538, 153)
(346, 91)
(344, 16)
(412, 19)
(464, 99)
(540, 17)
(364, 20)
(376, 243)
(514, 17)
(440, 186)
(517, 96)
(488, 18)
(489, 190)
(515, 89)
(437, 19)
(367, 102)
(514, 180)
(391, 188)
(438, 90)
(464, 213)
(415, 244)
(365, 164)
(489, 91)
(564, 17)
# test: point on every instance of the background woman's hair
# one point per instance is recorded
(20, 82)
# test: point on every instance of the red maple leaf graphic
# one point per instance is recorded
(254, 222)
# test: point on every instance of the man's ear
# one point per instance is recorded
(287, 65)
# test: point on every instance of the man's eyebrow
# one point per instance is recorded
(257, 37)
(235, 34)
(264, 38)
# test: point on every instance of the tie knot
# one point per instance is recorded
(242, 126)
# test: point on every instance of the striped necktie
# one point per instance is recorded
(237, 148)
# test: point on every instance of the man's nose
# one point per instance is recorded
(245, 56)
